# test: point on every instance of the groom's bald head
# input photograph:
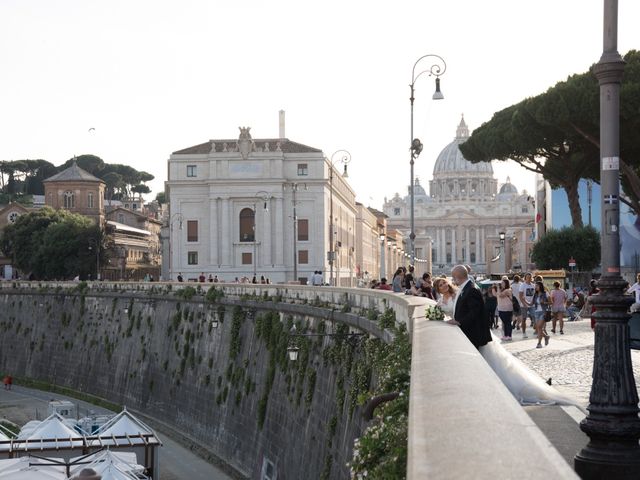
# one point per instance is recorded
(459, 274)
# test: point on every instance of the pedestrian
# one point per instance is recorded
(254, 280)
(8, 380)
(517, 310)
(146, 277)
(540, 305)
(151, 279)
(490, 306)
(210, 278)
(527, 291)
(593, 290)
(576, 303)
(558, 301)
(505, 307)
(383, 285)
(426, 287)
(202, 278)
(180, 279)
(398, 280)
(635, 289)
(408, 279)
(215, 279)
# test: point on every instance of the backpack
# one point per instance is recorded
(516, 304)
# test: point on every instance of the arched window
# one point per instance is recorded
(69, 200)
(472, 257)
(90, 200)
(247, 217)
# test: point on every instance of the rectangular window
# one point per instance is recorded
(303, 170)
(303, 230)
(303, 257)
(121, 218)
(192, 230)
(525, 209)
(192, 258)
(192, 170)
(396, 211)
(246, 258)
(90, 200)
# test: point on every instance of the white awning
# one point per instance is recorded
(126, 228)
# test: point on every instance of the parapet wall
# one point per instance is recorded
(230, 388)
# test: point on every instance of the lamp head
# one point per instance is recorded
(345, 174)
(437, 95)
(416, 147)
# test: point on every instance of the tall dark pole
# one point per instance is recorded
(345, 158)
(612, 424)
(331, 252)
(589, 197)
(436, 70)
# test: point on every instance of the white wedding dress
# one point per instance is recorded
(527, 387)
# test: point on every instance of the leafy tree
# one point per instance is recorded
(52, 244)
(140, 189)
(554, 249)
(161, 198)
(557, 134)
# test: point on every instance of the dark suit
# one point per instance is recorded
(470, 314)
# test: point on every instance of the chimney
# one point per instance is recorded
(281, 124)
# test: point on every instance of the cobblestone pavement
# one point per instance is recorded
(567, 360)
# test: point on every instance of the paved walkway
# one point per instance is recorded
(568, 361)
(176, 462)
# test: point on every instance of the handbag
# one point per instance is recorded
(547, 315)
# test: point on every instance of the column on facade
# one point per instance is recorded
(278, 253)
(454, 258)
(467, 247)
(477, 249)
(483, 237)
(226, 254)
(214, 259)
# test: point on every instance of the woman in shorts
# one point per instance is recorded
(558, 301)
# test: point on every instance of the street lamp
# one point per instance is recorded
(383, 272)
(437, 69)
(613, 425)
(94, 242)
(265, 197)
(503, 263)
(293, 350)
(344, 157)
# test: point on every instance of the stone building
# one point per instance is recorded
(464, 214)
(244, 206)
(76, 190)
(8, 215)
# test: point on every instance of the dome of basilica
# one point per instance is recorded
(451, 161)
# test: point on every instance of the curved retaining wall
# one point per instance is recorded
(230, 389)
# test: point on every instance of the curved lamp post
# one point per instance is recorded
(265, 197)
(436, 69)
(344, 157)
(95, 243)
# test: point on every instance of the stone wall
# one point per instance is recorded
(231, 389)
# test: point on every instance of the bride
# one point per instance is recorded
(527, 387)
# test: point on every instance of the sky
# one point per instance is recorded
(153, 77)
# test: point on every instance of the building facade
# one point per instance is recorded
(76, 190)
(245, 206)
(463, 217)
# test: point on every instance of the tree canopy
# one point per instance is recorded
(53, 244)
(557, 134)
(21, 178)
(554, 249)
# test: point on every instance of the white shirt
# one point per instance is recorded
(460, 288)
(515, 288)
(527, 290)
(635, 288)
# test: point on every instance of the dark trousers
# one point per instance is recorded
(506, 322)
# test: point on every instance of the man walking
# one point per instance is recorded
(527, 291)
(468, 308)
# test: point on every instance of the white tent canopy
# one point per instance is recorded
(51, 428)
(124, 425)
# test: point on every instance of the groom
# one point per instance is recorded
(468, 308)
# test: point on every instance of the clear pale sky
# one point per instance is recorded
(153, 77)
